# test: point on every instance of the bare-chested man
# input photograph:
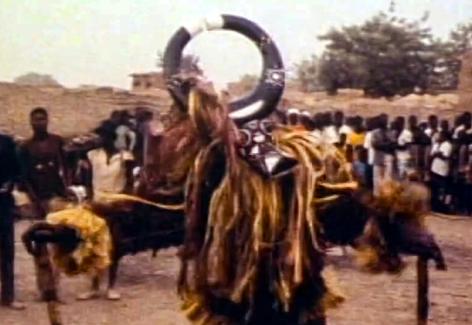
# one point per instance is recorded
(42, 157)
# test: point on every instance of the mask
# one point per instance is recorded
(257, 147)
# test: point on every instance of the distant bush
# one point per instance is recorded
(36, 79)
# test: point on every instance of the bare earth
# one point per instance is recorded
(149, 295)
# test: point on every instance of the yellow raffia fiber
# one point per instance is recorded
(335, 296)
(403, 199)
(93, 254)
(113, 197)
(368, 259)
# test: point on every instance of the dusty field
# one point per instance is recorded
(148, 289)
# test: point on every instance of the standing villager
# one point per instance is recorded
(355, 141)
(403, 152)
(340, 129)
(391, 161)
(444, 126)
(383, 148)
(317, 131)
(293, 117)
(370, 126)
(143, 118)
(462, 139)
(9, 171)
(110, 168)
(441, 152)
(432, 131)
(307, 121)
(433, 126)
(125, 136)
(344, 124)
(419, 147)
(110, 172)
(356, 138)
(331, 129)
(44, 171)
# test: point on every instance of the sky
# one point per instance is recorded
(101, 42)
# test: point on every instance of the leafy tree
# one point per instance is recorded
(36, 79)
(339, 69)
(446, 73)
(306, 73)
(384, 56)
(460, 38)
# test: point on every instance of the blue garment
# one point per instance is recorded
(360, 171)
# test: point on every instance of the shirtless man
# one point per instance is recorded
(42, 157)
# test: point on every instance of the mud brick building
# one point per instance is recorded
(146, 81)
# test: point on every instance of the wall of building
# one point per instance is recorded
(146, 81)
(72, 111)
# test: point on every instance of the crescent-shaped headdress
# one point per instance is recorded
(248, 112)
(264, 98)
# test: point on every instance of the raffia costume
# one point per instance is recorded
(252, 255)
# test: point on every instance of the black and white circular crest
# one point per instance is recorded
(264, 98)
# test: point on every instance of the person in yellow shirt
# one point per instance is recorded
(355, 146)
(357, 136)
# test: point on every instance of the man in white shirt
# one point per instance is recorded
(347, 125)
(433, 124)
(317, 127)
(331, 128)
(370, 151)
(441, 152)
(402, 153)
(125, 138)
(111, 169)
(330, 135)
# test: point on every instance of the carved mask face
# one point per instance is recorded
(256, 146)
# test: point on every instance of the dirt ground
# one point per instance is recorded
(149, 296)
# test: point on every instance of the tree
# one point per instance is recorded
(460, 39)
(384, 56)
(36, 79)
(306, 73)
(190, 63)
(340, 69)
(446, 73)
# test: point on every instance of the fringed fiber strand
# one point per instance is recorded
(258, 241)
(114, 197)
(403, 199)
(396, 200)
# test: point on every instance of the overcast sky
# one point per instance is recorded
(102, 41)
